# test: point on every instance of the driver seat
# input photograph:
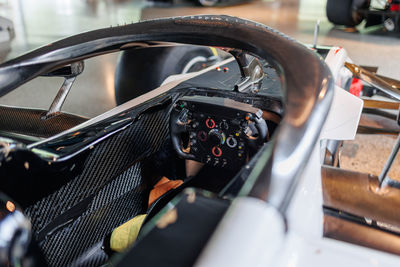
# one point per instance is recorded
(184, 226)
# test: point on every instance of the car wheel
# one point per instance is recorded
(208, 2)
(346, 12)
(141, 70)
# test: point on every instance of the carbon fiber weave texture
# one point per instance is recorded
(116, 203)
(29, 122)
(110, 159)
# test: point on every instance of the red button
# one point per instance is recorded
(210, 123)
(216, 151)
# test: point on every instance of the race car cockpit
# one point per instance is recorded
(171, 158)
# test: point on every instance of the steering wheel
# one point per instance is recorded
(222, 132)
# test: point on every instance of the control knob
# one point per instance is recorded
(231, 142)
(210, 123)
(224, 125)
(216, 137)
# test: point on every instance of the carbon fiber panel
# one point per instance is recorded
(116, 203)
(118, 188)
(28, 122)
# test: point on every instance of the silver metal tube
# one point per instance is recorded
(386, 85)
(389, 162)
(60, 98)
(316, 32)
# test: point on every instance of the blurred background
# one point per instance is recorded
(37, 23)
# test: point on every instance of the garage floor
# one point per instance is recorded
(42, 21)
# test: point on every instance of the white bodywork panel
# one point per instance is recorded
(345, 111)
(343, 117)
(243, 235)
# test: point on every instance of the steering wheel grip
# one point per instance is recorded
(176, 129)
(262, 129)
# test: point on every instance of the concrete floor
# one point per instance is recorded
(43, 21)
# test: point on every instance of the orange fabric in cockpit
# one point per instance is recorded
(162, 187)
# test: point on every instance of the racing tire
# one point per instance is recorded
(208, 3)
(142, 70)
(346, 12)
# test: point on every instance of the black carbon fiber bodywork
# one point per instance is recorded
(28, 121)
(109, 191)
(120, 200)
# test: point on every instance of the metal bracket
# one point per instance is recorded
(316, 33)
(251, 70)
(70, 73)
